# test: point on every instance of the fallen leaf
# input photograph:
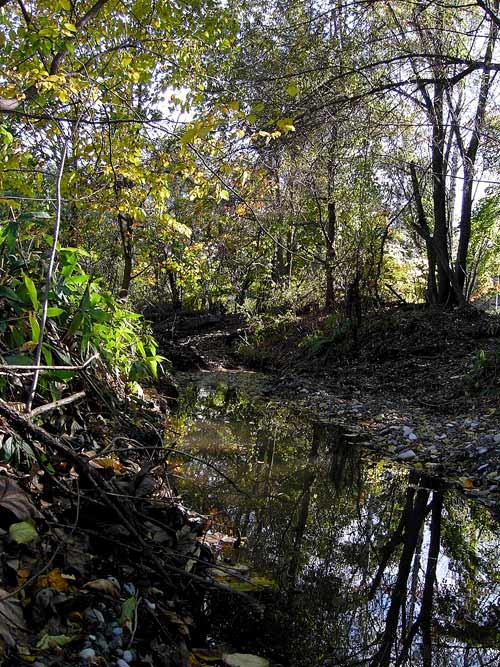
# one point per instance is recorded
(11, 617)
(53, 641)
(244, 660)
(468, 484)
(55, 579)
(23, 532)
(104, 586)
(128, 612)
(108, 463)
(14, 500)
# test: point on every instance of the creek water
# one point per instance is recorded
(355, 560)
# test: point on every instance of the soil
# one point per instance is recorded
(416, 384)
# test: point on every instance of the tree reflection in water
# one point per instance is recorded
(377, 565)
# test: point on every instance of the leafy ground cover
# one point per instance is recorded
(101, 562)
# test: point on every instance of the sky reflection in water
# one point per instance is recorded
(376, 564)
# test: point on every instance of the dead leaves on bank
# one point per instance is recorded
(101, 575)
(14, 501)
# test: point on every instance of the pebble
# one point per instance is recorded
(128, 656)
(406, 455)
(87, 654)
(115, 644)
(117, 631)
(121, 663)
(129, 588)
(94, 616)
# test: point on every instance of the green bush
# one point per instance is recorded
(83, 316)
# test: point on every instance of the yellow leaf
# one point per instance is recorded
(468, 484)
(54, 579)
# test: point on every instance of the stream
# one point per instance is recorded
(345, 559)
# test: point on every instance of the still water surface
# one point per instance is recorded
(361, 562)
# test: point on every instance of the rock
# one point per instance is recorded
(87, 654)
(406, 455)
(117, 631)
(408, 433)
(122, 663)
(496, 439)
(128, 656)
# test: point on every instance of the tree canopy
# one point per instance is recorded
(242, 156)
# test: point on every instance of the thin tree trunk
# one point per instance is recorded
(470, 159)
(330, 255)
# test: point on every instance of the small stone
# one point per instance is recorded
(129, 588)
(103, 645)
(496, 439)
(117, 631)
(87, 654)
(121, 663)
(128, 656)
(406, 455)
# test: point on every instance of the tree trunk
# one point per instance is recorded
(469, 161)
(422, 227)
(126, 223)
(174, 290)
(440, 237)
(330, 256)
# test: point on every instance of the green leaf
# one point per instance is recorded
(128, 610)
(8, 293)
(35, 328)
(286, 125)
(292, 89)
(30, 286)
(34, 216)
(23, 532)
(244, 660)
(55, 311)
(8, 234)
(51, 641)
(189, 135)
(224, 195)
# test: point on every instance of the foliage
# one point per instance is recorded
(485, 374)
(336, 333)
(84, 317)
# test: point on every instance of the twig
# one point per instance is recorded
(57, 404)
(20, 367)
(48, 278)
(168, 450)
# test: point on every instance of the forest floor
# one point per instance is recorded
(420, 386)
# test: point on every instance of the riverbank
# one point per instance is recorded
(419, 386)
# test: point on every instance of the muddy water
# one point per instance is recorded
(356, 561)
